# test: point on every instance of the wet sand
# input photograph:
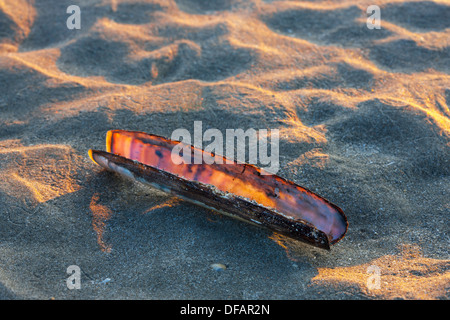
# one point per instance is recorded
(363, 117)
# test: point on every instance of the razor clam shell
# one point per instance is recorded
(210, 197)
(241, 179)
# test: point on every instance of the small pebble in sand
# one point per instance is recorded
(218, 267)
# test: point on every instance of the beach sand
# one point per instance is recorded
(363, 116)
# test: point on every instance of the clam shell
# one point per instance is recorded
(239, 190)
